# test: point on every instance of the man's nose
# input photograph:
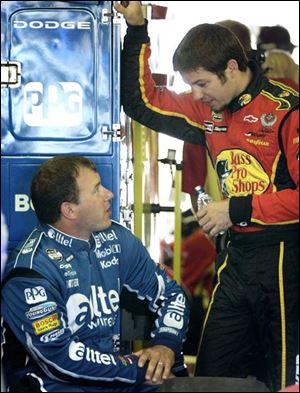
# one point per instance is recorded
(197, 93)
(110, 194)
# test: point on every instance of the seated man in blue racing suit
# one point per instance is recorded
(62, 286)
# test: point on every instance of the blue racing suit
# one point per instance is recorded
(61, 297)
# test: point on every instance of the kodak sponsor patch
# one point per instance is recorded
(46, 324)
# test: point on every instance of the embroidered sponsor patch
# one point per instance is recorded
(116, 342)
(72, 283)
(109, 250)
(257, 142)
(245, 99)
(250, 119)
(268, 119)
(220, 129)
(106, 264)
(46, 324)
(209, 126)
(60, 238)
(41, 310)
(79, 351)
(255, 134)
(217, 116)
(284, 94)
(241, 173)
(28, 246)
(54, 255)
(125, 360)
(35, 295)
(52, 336)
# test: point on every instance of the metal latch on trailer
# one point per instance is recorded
(115, 133)
(107, 16)
(10, 74)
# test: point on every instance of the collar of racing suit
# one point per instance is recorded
(63, 239)
(252, 90)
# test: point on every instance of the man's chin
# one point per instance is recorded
(218, 107)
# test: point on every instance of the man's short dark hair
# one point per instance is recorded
(209, 46)
(55, 183)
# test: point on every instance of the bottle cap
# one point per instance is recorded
(199, 189)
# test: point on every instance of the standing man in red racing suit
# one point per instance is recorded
(251, 128)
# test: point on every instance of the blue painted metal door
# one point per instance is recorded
(67, 101)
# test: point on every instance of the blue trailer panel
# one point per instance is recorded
(65, 99)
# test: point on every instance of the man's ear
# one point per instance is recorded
(68, 210)
(232, 67)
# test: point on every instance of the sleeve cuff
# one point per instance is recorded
(137, 34)
(141, 373)
(166, 341)
(240, 210)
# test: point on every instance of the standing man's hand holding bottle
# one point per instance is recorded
(213, 216)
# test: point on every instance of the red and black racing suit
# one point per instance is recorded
(253, 144)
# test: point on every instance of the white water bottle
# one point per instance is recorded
(203, 199)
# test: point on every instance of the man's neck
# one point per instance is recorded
(71, 230)
(246, 78)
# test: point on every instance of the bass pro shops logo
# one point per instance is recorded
(240, 173)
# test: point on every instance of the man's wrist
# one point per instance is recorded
(137, 34)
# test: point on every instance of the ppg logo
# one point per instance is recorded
(57, 105)
(35, 295)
